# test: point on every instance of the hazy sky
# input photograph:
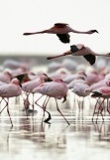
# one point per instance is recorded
(19, 16)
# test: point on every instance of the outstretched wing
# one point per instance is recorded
(65, 38)
(90, 58)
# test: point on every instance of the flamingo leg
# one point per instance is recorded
(78, 103)
(108, 106)
(61, 112)
(3, 109)
(5, 105)
(8, 110)
(95, 108)
(49, 115)
(82, 107)
(1, 100)
(38, 99)
(100, 107)
(26, 101)
(33, 103)
(45, 104)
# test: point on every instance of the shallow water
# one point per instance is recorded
(32, 139)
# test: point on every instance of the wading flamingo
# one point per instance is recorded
(30, 85)
(13, 89)
(62, 30)
(56, 89)
(104, 93)
(81, 50)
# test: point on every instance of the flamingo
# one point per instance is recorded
(81, 50)
(13, 64)
(101, 92)
(62, 30)
(5, 76)
(12, 89)
(81, 89)
(30, 85)
(56, 89)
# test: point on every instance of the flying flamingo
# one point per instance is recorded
(12, 89)
(62, 30)
(56, 89)
(81, 50)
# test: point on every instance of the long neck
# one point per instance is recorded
(80, 32)
(61, 55)
(103, 54)
(32, 33)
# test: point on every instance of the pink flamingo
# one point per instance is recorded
(101, 92)
(13, 64)
(12, 89)
(81, 50)
(30, 85)
(81, 89)
(5, 76)
(92, 77)
(62, 30)
(56, 89)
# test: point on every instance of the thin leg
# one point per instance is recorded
(33, 101)
(100, 107)
(108, 106)
(5, 105)
(45, 104)
(61, 112)
(44, 109)
(82, 107)
(3, 109)
(38, 99)
(8, 111)
(95, 108)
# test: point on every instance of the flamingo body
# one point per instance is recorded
(52, 89)
(10, 90)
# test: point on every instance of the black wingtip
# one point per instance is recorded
(26, 34)
(90, 58)
(64, 38)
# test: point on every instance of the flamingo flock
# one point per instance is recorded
(59, 84)
(61, 79)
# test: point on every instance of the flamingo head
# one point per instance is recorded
(93, 31)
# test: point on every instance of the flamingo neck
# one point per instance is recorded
(80, 32)
(62, 55)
